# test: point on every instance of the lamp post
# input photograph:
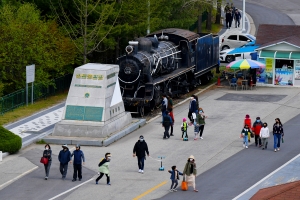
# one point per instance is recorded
(244, 16)
(148, 21)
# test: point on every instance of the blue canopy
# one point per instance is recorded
(243, 49)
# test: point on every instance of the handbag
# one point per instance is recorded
(44, 160)
(184, 185)
(251, 134)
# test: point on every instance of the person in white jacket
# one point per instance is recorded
(264, 135)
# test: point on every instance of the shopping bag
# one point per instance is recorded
(184, 185)
(282, 140)
(44, 160)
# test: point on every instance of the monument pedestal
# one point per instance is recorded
(94, 106)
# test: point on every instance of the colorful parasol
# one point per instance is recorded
(245, 64)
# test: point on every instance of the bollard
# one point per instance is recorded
(0, 155)
(219, 81)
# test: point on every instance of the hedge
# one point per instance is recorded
(9, 142)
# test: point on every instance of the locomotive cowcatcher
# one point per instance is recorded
(172, 61)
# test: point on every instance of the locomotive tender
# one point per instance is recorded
(167, 61)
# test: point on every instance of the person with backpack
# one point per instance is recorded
(184, 127)
(104, 168)
(139, 150)
(64, 158)
(257, 125)
(247, 121)
(167, 123)
(77, 163)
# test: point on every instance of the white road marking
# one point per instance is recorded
(259, 182)
(16, 178)
(71, 189)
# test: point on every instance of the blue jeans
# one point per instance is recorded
(141, 162)
(245, 140)
(277, 138)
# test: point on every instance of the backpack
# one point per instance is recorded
(166, 120)
(184, 126)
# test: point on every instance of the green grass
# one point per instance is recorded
(41, 142)
(25, 111)
(215, 28)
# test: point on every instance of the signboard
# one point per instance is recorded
(30, 73)
(84, 113)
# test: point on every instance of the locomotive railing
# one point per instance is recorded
(16, 99)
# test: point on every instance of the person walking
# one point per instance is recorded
(257, 125)
(277, 133)
(197, 126)
(104, 168)
(184, 127)
(192, 108)
(77, 163)
(247, 121)
(244, 134)
(139, 150)
(174, 178)
(47, 154)
(164, 105)
(167, 123)
(190, 172)
(228, 16)
(237, 18)
(264, 134)
(64, 157)
(201, 122)
(173, 120)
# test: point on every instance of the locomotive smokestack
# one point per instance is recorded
(135, 45)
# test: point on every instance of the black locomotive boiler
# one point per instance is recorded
(167, 61)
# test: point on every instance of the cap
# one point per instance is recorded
(184, 119)
(65, 145)
(78, 145)
(257, 117)
(191, 156)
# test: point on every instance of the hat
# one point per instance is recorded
(247, 116)
(78, 145)
(184, 119)
(257, 117)
(141, 137)
(65, 145)
(191, 156)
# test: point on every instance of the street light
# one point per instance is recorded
(244, 16)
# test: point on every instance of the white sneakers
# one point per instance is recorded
(140, 170)
(246, 147)
(201, 138)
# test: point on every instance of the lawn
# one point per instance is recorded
(25, 111)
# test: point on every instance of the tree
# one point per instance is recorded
(26, 39)
(88, 24)
(218, 13)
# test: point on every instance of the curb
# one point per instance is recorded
(95, 141)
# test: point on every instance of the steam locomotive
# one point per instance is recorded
(172, 61)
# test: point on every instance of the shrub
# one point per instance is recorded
(9, 142)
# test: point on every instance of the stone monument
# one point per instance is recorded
(94, 106)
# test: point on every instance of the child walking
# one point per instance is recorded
(247, 121)
(174, 178)
(104, 168)
(264, 134)
(244, 135)
(184, 127)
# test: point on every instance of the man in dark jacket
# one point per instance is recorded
(64, 157)
(167, 123)
(257, 125)
(192, 108)
(139, 150)
(237, 16)
(77, 165)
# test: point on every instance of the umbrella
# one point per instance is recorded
(245, 64)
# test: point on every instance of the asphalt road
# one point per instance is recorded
(244, 169)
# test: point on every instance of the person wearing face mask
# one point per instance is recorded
(244, 134)
(77, 163)
(257, 125)
(64, 158)
(277, 133)
(104, 168)
(139, 150)
(47, 154)
(247, 121)
(190, 172)
(264, 134)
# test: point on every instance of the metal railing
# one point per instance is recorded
(18, 98)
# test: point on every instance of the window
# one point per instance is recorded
(115, 109)
(118, 108)
(243, 38)
(232, 37)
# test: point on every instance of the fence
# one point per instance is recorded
(18, 98)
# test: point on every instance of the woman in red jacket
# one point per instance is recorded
(247, 121)
(257, 125)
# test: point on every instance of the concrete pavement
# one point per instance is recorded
(221, 141)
